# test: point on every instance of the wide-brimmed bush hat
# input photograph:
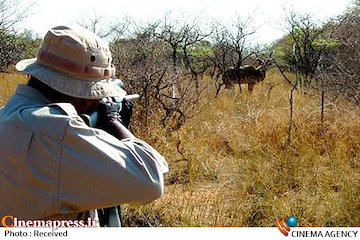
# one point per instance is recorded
(75, 62)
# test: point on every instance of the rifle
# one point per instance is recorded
(116, 103)
(111, 217)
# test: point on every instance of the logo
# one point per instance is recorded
(285, 224)
(7, 221)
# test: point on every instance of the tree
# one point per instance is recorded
(341, 72)
(307, 44)
(197, 59)
(11, 44)
(231, 47)
(102, 27)
(195, 50)
(11, 13)
(146, 68)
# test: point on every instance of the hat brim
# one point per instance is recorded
(79, 88)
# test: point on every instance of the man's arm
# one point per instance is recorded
(118, 130)
(97, 170)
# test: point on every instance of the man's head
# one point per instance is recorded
(74, 62)
(82, 105)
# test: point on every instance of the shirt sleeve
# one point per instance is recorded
(97, 170)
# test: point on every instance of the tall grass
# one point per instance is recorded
(240, 171)
(231, 165)
(8, 84)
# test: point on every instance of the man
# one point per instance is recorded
(52, 164)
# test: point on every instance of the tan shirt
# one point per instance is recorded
(52, 165)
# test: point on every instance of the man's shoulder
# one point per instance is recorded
(50, 120)
(48, 112)
(64, 109)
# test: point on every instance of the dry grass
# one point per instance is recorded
(8, 83)
(239, 170)
(236, 168)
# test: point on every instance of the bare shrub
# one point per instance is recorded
(341, 67)
(231, 48)
(148, 67)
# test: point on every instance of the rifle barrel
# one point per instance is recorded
(132, 97)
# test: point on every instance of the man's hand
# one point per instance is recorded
(114, 117)
(108, 110)
(126, 112)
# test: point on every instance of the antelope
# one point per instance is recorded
(246, 74)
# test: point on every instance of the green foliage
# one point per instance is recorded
(29, 43)
(283, 52)
(303, 47)
(201, 50)
(327, 43)
(198, 55)
(16, 46)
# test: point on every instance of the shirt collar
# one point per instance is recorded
(32, 93)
